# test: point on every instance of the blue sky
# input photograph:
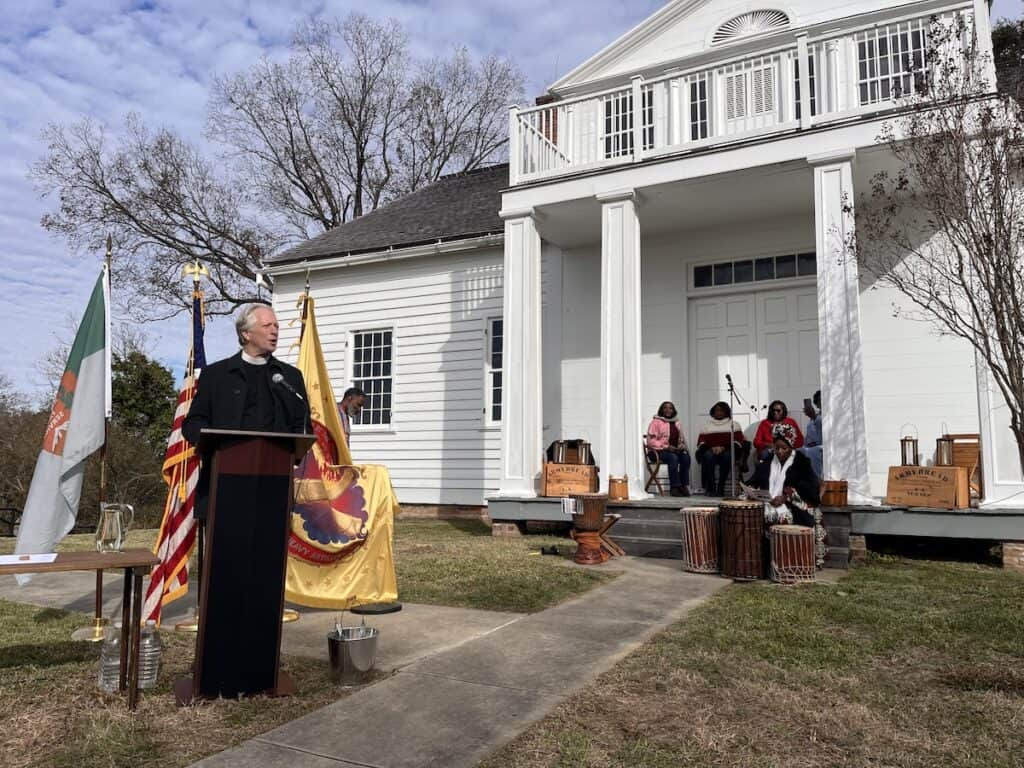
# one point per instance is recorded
(60, 61)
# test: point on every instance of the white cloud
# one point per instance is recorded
(103, 58)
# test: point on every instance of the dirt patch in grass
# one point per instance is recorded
(900, 664)
(54, 715)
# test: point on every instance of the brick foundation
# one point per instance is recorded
(858, 549)
(442, 512)
(1013, 555)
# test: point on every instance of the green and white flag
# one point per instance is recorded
(74, 431)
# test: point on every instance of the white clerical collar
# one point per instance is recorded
(254, 360)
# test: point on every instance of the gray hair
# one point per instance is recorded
(244, 320)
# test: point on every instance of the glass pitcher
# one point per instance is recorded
(113, 525)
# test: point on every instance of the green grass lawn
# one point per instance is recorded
(454, 562)
(902, 663)
(459, 563)
(53, 715)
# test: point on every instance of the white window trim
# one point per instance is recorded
(384, 429)
(488, 370)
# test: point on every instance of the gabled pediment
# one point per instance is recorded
(686, 28)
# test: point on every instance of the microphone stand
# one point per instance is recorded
(733, 399)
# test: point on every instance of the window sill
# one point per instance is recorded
(373, 431)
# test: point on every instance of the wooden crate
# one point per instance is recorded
(566, 479)
(936, 487)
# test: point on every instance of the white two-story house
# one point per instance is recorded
(675, 209)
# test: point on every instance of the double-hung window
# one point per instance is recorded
(493, 370)
(372, 355)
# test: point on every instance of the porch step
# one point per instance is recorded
(649, 546)
(649, 528)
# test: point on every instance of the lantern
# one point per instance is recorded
(944, 451)
(908, 452)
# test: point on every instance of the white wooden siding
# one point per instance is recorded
(438, 447)
(915, 382)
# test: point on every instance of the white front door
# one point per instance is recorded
(766, 340)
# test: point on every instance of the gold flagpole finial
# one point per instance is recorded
(196, 270)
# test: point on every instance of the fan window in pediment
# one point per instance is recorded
(748, 24)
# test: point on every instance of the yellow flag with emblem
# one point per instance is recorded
(340, 551)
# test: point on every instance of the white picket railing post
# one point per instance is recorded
(803, 67)
(514, 145)
(638, 118)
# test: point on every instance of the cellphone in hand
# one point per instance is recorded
(808, 403)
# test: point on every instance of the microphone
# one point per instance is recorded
(277, 378)
(727, 378)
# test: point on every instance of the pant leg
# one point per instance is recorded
(722, 461)
(684, 469)
(671, 460)
(707, 472)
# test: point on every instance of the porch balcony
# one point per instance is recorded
(851, 73)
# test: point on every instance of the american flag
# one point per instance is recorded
(169, 579)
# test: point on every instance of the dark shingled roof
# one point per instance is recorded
(455, 207)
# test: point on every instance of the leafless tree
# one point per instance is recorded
(164, 206)
(947, 229)
(457, 117)
(357, 66)
(290, 154)
(348, 122)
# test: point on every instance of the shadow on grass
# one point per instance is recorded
(47, 615)
(46, 654)
(985, 678)
(469, 527)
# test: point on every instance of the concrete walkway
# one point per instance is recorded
(454, 706)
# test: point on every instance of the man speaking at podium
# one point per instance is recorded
(251, 390)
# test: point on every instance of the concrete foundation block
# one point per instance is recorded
(1013, 555)
(506, 529)
(858, 549)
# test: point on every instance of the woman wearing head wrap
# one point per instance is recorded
(789, 479)
(713, 448)
(666, 438)
(778, 413)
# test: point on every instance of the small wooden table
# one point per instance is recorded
(136, 563)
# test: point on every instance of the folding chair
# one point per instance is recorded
(653, 463)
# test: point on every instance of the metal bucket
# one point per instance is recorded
(352, 655)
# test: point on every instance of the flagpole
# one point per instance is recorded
(98, 630)
(191, 624)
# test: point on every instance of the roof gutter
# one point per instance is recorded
(389, 254)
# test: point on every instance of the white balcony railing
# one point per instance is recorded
(856, 72)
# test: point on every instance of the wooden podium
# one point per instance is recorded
(238, 645)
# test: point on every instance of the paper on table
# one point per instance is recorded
(27, 559)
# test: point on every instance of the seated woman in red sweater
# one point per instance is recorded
(713, 448)
(778, 413)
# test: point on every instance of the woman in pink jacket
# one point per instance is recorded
(666, 438)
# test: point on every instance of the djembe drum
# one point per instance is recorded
(700, 539)
(741, 550)
(792, 554)
(587, 521)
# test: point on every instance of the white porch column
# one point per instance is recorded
(522, 404)
(842, 382)
(621, 418)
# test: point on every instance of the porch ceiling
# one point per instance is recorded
(723, 200)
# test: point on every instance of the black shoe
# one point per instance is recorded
(677, 491)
